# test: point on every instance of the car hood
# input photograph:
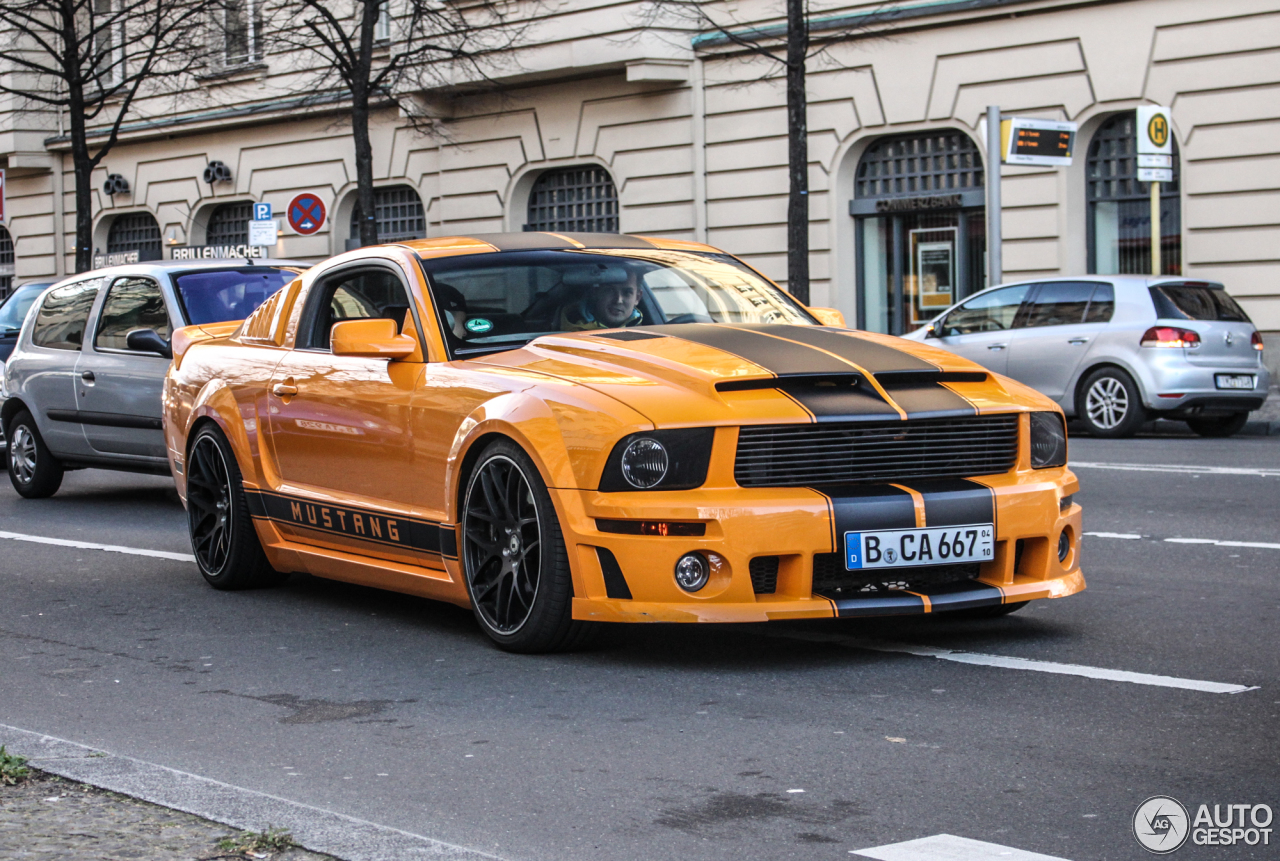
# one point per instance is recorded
(700, 374)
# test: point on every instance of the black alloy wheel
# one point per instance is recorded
(33, 470)
(1110, 404)
(223, 538)
(513, 556)
(1219, 426)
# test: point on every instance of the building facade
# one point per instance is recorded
(609, 122)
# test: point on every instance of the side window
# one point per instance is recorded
(61, 320)
(1102, 305)
(132, 303)
(1059, 303)
(364, 294)
(990, 312)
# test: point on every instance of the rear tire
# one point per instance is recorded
(513, 557)
(1110, 404)
(1219, 426)
(223, 538)
(33, 470)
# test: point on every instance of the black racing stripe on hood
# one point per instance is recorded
(777, 356)
(928, 399)
(955, 502)
(865, 354)
(868, 508)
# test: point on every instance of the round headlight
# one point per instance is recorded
(644, 463)
(692, 572)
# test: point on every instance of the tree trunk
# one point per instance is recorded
(362, 72)
(82, 166)
(797, 152)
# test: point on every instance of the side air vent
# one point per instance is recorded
(764, 575)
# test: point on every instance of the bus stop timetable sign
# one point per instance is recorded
(1038, 142)
(306, 213)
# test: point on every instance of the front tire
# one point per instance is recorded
(513, 556)
(33, 470)
(1110, 404)
(1220, 426)
(223, 538)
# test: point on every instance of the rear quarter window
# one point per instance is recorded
(1195, 302)
(64, 315)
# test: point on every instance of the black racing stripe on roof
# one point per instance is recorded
(775, 355)
(865, 354)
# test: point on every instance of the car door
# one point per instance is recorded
(44, 374)
(981, 329)
(341, 441)
(120, 389)
(1060, 324)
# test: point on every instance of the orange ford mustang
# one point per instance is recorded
(558, 430)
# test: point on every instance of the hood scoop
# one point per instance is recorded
(794, 382)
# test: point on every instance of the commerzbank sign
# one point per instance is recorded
(220, 252)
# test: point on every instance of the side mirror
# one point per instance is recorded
(148, 341)
(828, 316)
(376, 339)
(933, 331)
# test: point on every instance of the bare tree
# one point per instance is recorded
(390, 54)
(93, 60)
(791, 45)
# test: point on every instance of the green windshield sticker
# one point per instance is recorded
(479, 325)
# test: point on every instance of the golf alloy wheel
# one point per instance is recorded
(209, 504)
(1107, 403)
(1110, 404)
(503, 545)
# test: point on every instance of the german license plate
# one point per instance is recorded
(1235, 381)
(897, 548)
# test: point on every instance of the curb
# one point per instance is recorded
(313, 828)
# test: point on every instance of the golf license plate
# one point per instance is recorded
(1235, 381)
(897, 548)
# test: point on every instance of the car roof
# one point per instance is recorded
(1117, 280)
(484, 243)
(189, 265)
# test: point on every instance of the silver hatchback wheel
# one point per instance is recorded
(22, 454)
(1107, 403)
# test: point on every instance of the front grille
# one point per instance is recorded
(867, 452)
(832, 580)
(764, 575)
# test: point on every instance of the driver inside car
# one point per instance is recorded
(609, 302)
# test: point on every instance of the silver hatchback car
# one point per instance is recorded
(1117, 350)
(82, 387)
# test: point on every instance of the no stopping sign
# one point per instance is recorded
(306, 213)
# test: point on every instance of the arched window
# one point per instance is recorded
(398, 211)
(1119, 226)
(135, 230)
(932, 163)
(574, 200)
(229, 224)
(6, 261)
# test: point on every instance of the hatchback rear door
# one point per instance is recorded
(1061, 321)
(1225, 329)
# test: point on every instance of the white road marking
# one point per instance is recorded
(948, 847)
(1214, 542)
(1129, 536)
(89, 545)
(1177, 467)
(1030, 664)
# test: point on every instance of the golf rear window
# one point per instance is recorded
(1195, 302)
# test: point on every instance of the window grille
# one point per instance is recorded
(135, 230)
(6, 262)
(398, 211)
(941, 162)
(1119, 206)
(574, 200)
(229, 224)
(241, 32)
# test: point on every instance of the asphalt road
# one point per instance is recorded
(672, 742)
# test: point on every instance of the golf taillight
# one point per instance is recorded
(1256, 340)
(1170, 336)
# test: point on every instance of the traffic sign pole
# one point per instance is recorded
(1155, 229)
(995, 266)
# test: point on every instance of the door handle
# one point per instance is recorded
(1077, 340)
(88, 376)
(284, 390)
(996, 346)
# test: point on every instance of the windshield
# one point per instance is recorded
(499, 301)
(219, 295)
(1196, 302)
(15, 308)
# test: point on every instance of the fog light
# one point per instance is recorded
(1064, 546)
(692, 572)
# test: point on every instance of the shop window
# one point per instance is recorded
(1119, 210)
(229, 224)
(398, 211)
(6, 262)
(579, 199)
(135, 231)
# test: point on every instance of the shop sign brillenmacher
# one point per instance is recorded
(220, 252)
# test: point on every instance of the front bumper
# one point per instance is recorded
(801, 527)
